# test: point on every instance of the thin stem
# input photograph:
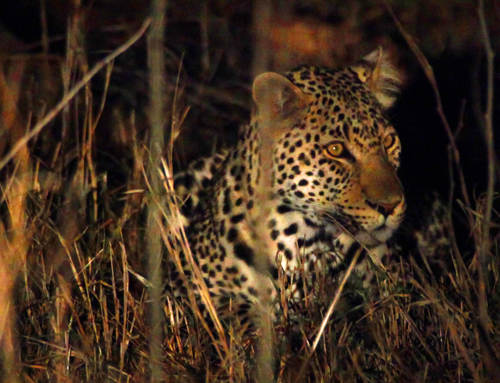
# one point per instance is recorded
(429, 73)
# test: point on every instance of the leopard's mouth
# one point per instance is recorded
(370, 235)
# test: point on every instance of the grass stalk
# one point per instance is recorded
(153, 238)
(484, 246)
(429, 73)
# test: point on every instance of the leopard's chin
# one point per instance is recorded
(375, 237)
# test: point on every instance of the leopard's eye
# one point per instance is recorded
(334, 150)
(389, 141)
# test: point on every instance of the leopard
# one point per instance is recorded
(312, 178)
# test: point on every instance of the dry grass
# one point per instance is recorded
(75, 294)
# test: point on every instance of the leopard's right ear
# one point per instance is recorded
(276, 97)
(382, 78)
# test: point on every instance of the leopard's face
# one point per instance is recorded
(339, 162)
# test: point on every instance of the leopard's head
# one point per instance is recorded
(335, 155)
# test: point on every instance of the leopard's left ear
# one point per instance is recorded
(276, 97)
(383, 79)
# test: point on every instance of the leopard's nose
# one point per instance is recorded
(386, 209)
